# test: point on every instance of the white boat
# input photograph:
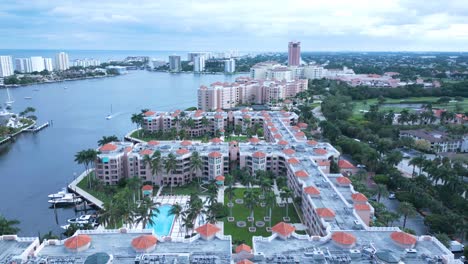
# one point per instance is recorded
(110, 115)
(67, 199)
(10, 100)
(28, 97)
(84, 219)
(59, 194)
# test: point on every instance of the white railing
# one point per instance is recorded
(382, 228)
(301, 237)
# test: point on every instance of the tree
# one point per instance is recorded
(381, 191)
(134, 185)
(156, 163)
(176, 211)
(8, 227)
(86, 157)
(417, 161)
(285, 194)
(406, 209)
(138, 120)
(104, 140)
(196, 164)
(170, 164)
(146, 212)
(250, 199)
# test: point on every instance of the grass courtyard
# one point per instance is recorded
(182, 190)
(241, 212)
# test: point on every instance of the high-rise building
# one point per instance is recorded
(174, 63)
(48, 64)
(199, 64)
(23, 65)
(37, 64)
(62, 62)
(230, 65)
(294, 53)
(6, 66)
(192, 55)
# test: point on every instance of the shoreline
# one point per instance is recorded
(55, 81)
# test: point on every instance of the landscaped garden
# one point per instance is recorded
(187, 189)
(239, 228)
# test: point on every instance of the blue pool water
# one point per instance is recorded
(163, 221)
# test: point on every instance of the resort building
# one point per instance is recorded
(37, 64)
(230, 65)
(62, 63)
(48, 64)
(199, 63)
(438, 141)
(6, 66)
(23, 65)
(294, 53)
(175, 63)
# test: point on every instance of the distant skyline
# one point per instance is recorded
(256, 26)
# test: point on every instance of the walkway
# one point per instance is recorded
(74, 188)
(317, 112)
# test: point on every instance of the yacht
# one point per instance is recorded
(59, 194)
(28, 97)
(67, 199)
(84, 219)
(110, 115)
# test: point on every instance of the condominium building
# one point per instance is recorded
(199, 63)
(86, 62)
(192, 55)
(37, 64)
(438, 141)
(245, 90)
(6, 66)
(23, 65)
(230, 65)
(294, 53)
(175, 63)
(48, 64)
(62, 62)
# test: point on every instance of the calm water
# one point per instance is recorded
(163, 221)
(39, 164)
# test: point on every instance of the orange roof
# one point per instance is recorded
(362, 207)
(153, 143)
(324, 163)
(149, 113)
(273, 129)
(270, 124)
(245, 261)
(78, 241)
(182, 151)
(302, 125)
(325, 212)
(312, 142)
(218, 116)
(233, 142)
(289, 151)
(128, 149)
(245, 110)
(147, 188)
(293, 161)
(108, 147)
(220, 178)
(144, 242)
(403, 238)
(311, 190)
(247, 117)
(146, 152)
(243, 247)
(278, 136)
(219, 110)
(283, 229)
(186, 143)
(295, 128)
(258, 154)
(300, 134)
(215, 154)
(359, 197)
(301, 173)
(343, 238)
(320, 151)
(207, 230)
(283, 142)
(254, 140)
(343, 180)
(216, 140)
(344, 164)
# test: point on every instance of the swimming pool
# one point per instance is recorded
(163, 221)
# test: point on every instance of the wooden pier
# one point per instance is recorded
(73, 187)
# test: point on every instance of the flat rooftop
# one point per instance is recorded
(12, 248)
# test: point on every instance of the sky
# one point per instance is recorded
(253, 25)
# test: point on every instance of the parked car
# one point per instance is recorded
(392, 196)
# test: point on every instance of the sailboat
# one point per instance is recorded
(10, 100)
(110, 115)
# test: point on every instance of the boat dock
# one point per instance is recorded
(35, 129)
(73, 187)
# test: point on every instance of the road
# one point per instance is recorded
(317, 112)
(415, 223)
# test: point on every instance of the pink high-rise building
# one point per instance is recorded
(294, 53)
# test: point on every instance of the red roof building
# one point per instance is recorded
(243, 247)
(215, 154)
(283, 229)
(108, 147)
(207, 231)
(78, 243)
(186, 143)
(312, 191)
(258, 154)
(403, 239)
(344, 181)
(358, 198)
(301, 173)
(153, 143)
(289, 152)
(344, 239)
(326, 213)
(321, 151)
(144, 243)
(182, 151)
(293, 161)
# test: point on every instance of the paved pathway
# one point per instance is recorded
(317, 112)
(74, 188)
(415, 223)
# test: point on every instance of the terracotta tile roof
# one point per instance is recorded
(289, 151)
(359, 197)
(295, 128)
(273, 129)
(220, 178)
(301, 173)
(312, 190)
(293, 161)
(153, 143)
(216, 140)
(207, 230)
(146, 152)
(344, 238)
(147, 188)
(277, 136)
(300, 134)
(320, 151)
(219, 110)
(403, 238)
(78, 241)
(270, 124)
(283, 229)
(144, 242)
(325, 212)
(108, 147)
(247, 117)
(245, 110)
(215, 154)
(233, 142)
(344, 164)
(149, 113)
(362, 207)
(186, 143)
(245, 261)
(218, 116)
(343, 180)
(243, 247)
(312, 142)
(182, 151)
(323, 163)
(128, 149)
(258, 154)
(302, 125)
(254, 140)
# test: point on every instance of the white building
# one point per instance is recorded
(37, 64)
(23, 65)
(174, 63)
(48, 64)
(86, 62)
(230, 65)
(314, 72)
(192, 55)
(62, 62)
(199, 64)
(6, 66)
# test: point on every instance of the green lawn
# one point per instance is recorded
(103, 193)
(236, 138)
(241, 212)
(182, 190)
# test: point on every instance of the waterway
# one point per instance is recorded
(39, 164)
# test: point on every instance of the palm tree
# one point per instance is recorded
(138, 120)
(250, 199)
(229, 191)
(187, 222)
(146, 212)
(406, 209)
(417, 161)
(176, 211)
(381, 191)
(156, 163)
(196, 163)
(270, 200)
(104, 140)
(265, 184)
(109, 215)
(134, 184)
(8, 227)
(170, 164)
(86, 157)
(285, 194)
